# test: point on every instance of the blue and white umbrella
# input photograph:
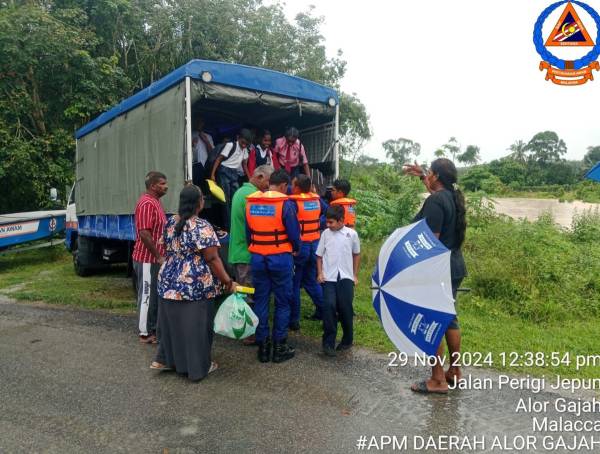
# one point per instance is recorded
(412, 289)
(594, 173)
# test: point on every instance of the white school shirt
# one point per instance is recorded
(200, 149)
(235, 161)
(337, 248)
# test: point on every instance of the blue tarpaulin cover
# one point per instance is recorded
(240, 76)
(594, 173)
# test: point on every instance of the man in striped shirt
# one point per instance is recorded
(149, 253)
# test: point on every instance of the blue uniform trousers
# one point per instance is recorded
(272, 274)
(305, 275)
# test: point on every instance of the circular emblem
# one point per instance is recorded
(52, 224)
(582, 62)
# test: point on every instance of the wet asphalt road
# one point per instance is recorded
(78, 381)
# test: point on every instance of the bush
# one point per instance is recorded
(536, 271)
(386, 200)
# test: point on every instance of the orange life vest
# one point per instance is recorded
(349, 212)
(309, 212)
(264, 217)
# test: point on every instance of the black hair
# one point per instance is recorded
(246, 134)
(279, 177)
(342, 186)
(335, 212)
(189, 197)
(153, 177)
(303, 182)
(292, 132)
(447, 175)
(265, 132)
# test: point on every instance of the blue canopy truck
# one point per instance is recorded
(152, 130)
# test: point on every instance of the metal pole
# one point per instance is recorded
(188, 129)
(336, 149)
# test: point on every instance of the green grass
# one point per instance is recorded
(47, 275)
(490, 320)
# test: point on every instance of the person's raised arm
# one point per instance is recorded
(207, 141)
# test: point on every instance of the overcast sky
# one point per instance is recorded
(429, 70)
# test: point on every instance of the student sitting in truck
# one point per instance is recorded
(228, 168)
(289, 154)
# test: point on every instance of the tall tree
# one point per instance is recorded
(452, 148)
(546, 147)
(401, 151)
(518, 151)
(470, 156)
(355, 129)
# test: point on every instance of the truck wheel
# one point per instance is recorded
(80, 269)
(85, 258)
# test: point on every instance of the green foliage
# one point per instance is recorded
(588, 191)
(591, 158)
(470, 156)
(480, 179)
(386, 200)
(546, 147)
(354, 125)
(401, 151)
(66, 61)
(450, 149)
(536, 271)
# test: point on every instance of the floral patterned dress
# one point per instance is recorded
(185, 275)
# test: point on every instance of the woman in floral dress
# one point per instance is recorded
(189, 280)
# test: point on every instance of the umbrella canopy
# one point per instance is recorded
(412, 289)
(594, 173)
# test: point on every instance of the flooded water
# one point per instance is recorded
(531, 209)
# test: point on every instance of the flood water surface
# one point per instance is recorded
(531, 209)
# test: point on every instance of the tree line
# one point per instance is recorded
(537, 162)
(63, 62)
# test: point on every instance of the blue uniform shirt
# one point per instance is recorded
(284, 260)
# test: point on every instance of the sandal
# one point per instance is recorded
(421, 388)
(213, 367)
(159, 366)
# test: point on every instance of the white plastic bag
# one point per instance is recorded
(235, 319)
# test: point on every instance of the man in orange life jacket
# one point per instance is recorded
(273, 234)
(310, 208)
(339, 196)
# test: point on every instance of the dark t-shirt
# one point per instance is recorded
(439, 211)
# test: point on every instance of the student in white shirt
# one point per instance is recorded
(202, 142)
(228, 168)
(338, 259)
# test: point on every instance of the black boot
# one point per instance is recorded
(264, 351)
(282, 351)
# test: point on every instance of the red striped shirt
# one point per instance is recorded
(149, 215)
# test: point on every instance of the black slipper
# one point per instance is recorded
(421, 388)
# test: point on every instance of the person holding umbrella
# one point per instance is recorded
(445, 213)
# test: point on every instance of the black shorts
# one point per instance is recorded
(455, 284)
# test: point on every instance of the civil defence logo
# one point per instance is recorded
(569, 34)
